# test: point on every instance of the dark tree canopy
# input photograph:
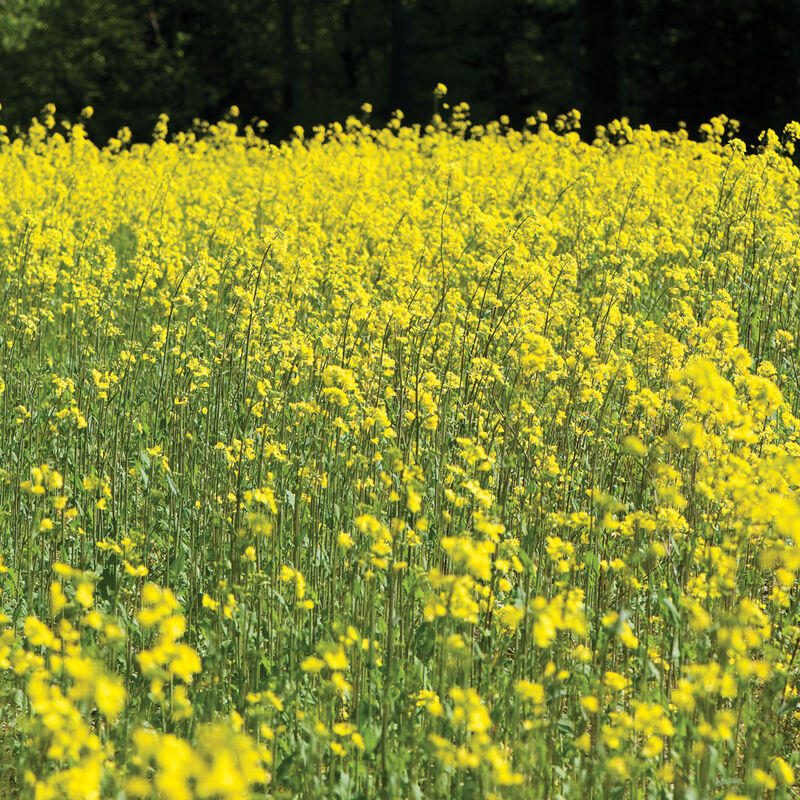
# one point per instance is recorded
(314, 61)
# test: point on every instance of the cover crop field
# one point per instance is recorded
(446, 463)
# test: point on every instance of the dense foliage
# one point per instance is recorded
(397, 463)
(314, 61)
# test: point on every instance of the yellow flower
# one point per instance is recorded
(85, 594)
(531, 691)
(784, 772)
(312, 664)
(345, 540)
(615, 681)
(590, 704)
(58, 599)
(336, 659)
(110, 696)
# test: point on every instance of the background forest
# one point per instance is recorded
(313, 61)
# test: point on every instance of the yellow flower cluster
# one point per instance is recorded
(436, 461)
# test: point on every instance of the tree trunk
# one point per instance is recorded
(602, 100)
(400, 57)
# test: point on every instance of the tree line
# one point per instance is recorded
(315, 61)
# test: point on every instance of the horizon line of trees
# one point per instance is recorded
(313, 62)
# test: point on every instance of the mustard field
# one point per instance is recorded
(443, 462)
